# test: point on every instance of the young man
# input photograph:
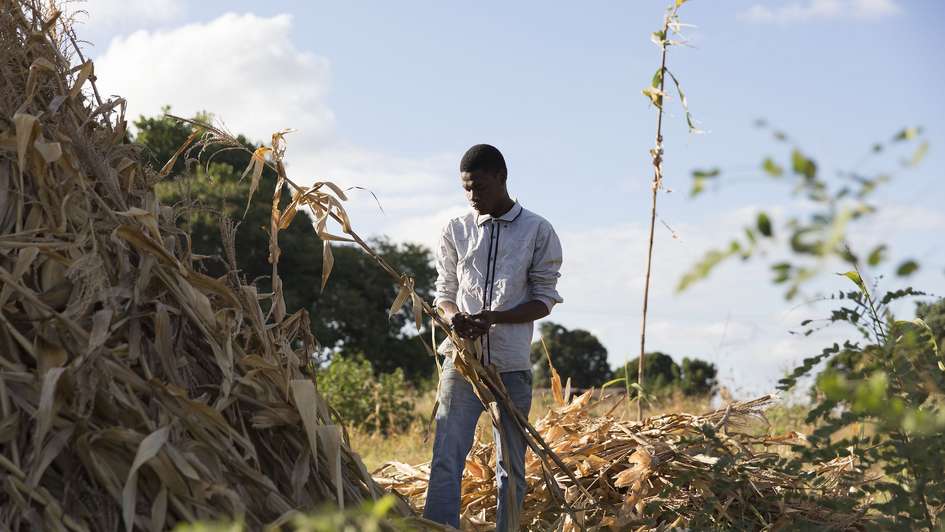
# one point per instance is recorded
(497, 272)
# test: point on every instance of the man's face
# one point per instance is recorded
(484, 190)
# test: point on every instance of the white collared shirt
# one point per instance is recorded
(499, 263)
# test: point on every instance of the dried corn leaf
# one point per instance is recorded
(328, 262)
(148, 449)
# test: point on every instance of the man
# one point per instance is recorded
(497, 272)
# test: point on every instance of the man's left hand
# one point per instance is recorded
(484, 320)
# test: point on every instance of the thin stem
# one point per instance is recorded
(657, 153)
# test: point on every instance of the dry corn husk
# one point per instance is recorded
(669, 471)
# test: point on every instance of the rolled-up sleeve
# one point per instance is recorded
(545, 268)
(446, 280)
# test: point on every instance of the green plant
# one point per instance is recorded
(883, 404)
(371, 516)
(382, 403)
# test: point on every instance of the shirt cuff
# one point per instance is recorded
(548, 302)
(443, 298)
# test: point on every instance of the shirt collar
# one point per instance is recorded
(509, 216)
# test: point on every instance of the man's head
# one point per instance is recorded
(483, 174)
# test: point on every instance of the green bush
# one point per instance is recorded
(382, 403)
(371, 516)
(881, 400)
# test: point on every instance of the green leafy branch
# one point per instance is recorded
(818, 236)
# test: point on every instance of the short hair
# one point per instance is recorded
(486, 158)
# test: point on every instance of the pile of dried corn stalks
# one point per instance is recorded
(710, 471)
(135, 392)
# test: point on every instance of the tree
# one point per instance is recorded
(662, 372)
(698, 377)
(350, 315)
(695, 377)
(379, 405)
(576, 354)
(891, 378)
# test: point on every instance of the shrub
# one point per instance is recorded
(881, 403)
(382, 403)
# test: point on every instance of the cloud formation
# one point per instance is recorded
(812, 10)
(242, 68)
(245, 70)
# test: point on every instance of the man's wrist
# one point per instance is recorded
(495, 316)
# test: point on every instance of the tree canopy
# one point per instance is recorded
(576, 354)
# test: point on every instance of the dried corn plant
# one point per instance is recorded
(135, 392)
(710, 471)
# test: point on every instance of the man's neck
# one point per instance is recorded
(504, 207)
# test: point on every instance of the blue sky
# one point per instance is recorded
(388, 95)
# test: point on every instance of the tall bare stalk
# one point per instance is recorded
(655, 93)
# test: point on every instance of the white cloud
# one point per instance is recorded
(243, 68)
(821, 10)
(246, 70)
(97, 15)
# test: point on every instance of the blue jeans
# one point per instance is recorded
(456, 419)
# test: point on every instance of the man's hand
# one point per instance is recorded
(484, 320)
(469, 327)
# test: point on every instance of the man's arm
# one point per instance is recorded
(524, 313)
(544, 271)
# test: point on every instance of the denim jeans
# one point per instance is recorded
(456, 419)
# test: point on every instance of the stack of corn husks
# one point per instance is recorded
(711, 471)
(135, 392)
